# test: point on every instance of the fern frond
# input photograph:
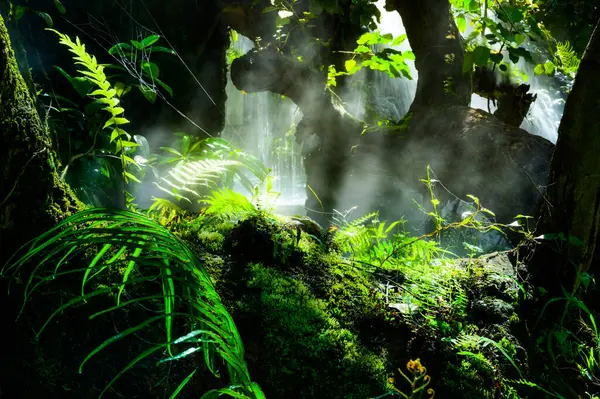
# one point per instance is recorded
(569, 61)
(228, 204)
(131, 252)
(105, 94)
(186, 180)
(166, 211)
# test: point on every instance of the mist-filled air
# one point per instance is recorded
(337, 199)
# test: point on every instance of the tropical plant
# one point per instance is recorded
(134, 58)
(105, 94)
(499, 29)
(370, 53)
(138, 251)
(418, 380)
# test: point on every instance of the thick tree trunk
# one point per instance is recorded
(32, 197)
(573, 195)
(437, 44)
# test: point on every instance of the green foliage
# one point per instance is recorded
(418, 379)
(566, 61)
(184, 181)
(232, 52)
(106, 95)
(388, 60)
(492, 39)
(204, 163)
(140, 251)
(16, 12)
(226, 204)
(134, 57)
(304, 351)
(569, 61)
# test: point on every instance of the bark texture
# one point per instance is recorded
(574, 185)
(437, 44)
(32, 197)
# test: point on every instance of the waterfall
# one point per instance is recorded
(546, 111)
(394, 96)
(263, 124)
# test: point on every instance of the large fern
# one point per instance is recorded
(188, 181)
(107, 95)
(569, 61)
(140, 251)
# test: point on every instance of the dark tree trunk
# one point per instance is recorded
(572, 206)
(32, 197)
(437, 44)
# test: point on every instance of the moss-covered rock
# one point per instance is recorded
(296, 349)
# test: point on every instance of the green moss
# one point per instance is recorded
(211, 240)
(302, 351)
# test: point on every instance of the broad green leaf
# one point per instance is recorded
(60, 7)
(150, 68)
(461, 22)
(19, 11)
(399, 40)
(120, 48)
(150, 40)
(481, 55)
(164, 86)
(269, 9)
(350, 65)
(81, 85)
(148, 93)
(121, 89)
(408, 55)
(549, 68)
(46, 17)
(496, 57)
(161, 49)
(362, 49)
(137, 44)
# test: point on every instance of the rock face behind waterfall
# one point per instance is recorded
(469, 151)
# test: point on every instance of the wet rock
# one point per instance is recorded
(492, 310)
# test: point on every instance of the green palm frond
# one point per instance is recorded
(139, 251)
(186, 180)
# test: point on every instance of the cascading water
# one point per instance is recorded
(263, 124)
(393, 96)
(546, 111)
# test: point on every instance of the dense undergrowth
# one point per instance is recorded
(321, 313)
(211, 293)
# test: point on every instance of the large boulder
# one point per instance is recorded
(469, 152)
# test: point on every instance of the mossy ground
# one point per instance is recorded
(315, 324)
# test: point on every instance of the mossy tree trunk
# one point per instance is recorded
(573, 194)
(32, 197)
